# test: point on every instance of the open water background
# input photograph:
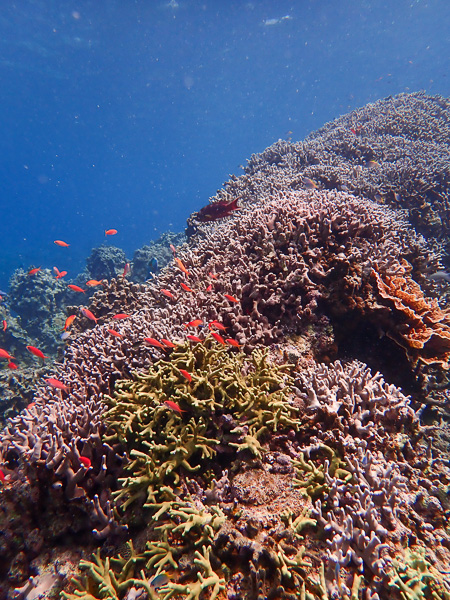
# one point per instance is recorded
(131, 114)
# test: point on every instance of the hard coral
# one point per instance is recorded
(423, 328)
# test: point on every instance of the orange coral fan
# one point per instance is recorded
(425, 328)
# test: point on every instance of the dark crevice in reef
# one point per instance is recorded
(357, 338)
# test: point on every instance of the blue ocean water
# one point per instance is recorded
(131, 114)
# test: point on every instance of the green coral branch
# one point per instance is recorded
(208, 579)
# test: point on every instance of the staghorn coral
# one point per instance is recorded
(225, 389)
(394, 151)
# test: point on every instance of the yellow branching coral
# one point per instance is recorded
(169, 423)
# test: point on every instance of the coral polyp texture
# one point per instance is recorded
(267, 417)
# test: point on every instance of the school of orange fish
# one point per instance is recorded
(162, 344)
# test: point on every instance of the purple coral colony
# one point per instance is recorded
(270, 416)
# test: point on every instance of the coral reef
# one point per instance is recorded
(394, 151)
(207, 443)
(38, 303)
(142, 268)
(106, 262)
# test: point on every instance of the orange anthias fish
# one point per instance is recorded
(167, 293)
(2, 476)
(231, 298)
(154, 342)
(115, 333)
(217, 325)
(174, 250)
(61, 274)
(59, 385)
(5, 354)
(34, 271)
(174, 406)
(209, 288)
(36, 352)
(93, 282)
(181, 266)
(76, 288)
(84, 460)
(12, 365)
(219, 338)
(232, 342)
(126, 270)
(195, 323)
(69, 321)
(110, 231)
(87, 313)
(213, 275)
(5, 325)
(121, 316)
(168, 343)
(61, 243)
(194, 338)
(187, 375)
(185, 287)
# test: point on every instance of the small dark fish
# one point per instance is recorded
(153, 265)
(217, 210)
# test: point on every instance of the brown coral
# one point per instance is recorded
(424, 328)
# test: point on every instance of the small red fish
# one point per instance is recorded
(34, 271)
(126, 270)
(174, 406)
(59, 385)
(69, 321)
(36, 352)
(93, 282)
(167, 293)
(186, 374)
(213, 275)
(61, 274)
(4, 354)
(12, 365)
(2, 476)
(218, 337)
(154, 342)
(194, 338)
(87, 313)
(5, 325)
(168, 343)
(217, 325)
(181, 266)
(115, 333)
(209, 288)
(186, 287)
(121, 316)
(76, 288)
(217, 210)
(195, 323)
(231, 298)
(174, 250)
(232, 342)
(110, 231)
(61, 243)
(56, 270)
(84, 460)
